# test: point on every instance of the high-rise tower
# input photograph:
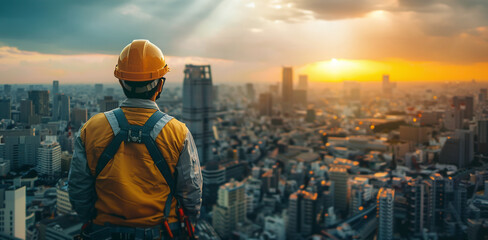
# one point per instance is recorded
(198, 108)
(287, 88)
(340, 178)
(385, 204)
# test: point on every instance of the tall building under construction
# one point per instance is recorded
(198, 108)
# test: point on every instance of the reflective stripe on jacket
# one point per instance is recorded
(130, 190)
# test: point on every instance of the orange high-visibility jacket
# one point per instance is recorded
(130, 190)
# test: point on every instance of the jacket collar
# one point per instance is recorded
(139, 103)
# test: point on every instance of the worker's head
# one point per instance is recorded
(140, 70)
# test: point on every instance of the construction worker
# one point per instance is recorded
(135, 172)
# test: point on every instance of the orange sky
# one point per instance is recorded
(399, 70)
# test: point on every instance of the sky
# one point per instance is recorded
(248, 40)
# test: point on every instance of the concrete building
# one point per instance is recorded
(303, 207)
(198, 110)
(385, 207)
(63, 205)
(12, 211)
(340, 177)
(253, 193)
(360, 193)
(230, 209)
(49, 157)
(21, 148)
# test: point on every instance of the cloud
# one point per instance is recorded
(260, 33)
(22, 67)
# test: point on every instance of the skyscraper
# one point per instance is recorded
(340, 178)
(198, 108)
(55, 87)
(49, 158)
(12, 211)
(287, 89)
(418, 205)
(230, 209)
(40, 101)
(61, 107)
(5, 108)
(385, 204)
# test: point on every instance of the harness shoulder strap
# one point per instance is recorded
(152, 128)
(119, 124)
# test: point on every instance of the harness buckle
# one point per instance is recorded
(134, 136)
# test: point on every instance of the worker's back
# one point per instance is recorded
(131, 190)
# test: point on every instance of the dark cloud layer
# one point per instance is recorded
(267, 30)
(93, 26)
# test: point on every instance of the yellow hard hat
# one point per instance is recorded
(141, 61)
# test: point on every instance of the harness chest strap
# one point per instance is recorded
(145, 134)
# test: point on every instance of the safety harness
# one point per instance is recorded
(146, 134)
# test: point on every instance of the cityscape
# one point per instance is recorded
(290, 160)
(311, 119)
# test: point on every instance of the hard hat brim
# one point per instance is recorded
(140, 76)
